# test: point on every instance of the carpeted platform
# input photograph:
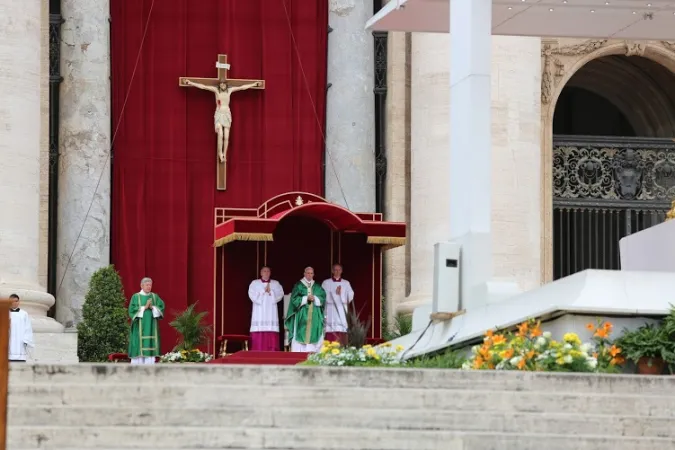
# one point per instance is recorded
(262, 358)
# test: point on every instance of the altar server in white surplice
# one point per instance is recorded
(265, 293)
(20, 332)
(339, 294)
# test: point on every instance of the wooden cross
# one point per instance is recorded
(223, 67)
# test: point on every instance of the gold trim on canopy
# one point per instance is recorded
(260, 237)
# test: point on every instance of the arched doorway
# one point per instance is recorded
(613, 159)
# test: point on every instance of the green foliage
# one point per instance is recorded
(447, 359)
(104, 327)
(402, 325)
(647, 341)
(669, 326)
(189, 325)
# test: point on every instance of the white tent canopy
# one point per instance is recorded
(619, 19)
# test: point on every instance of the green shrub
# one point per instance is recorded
(104, 328)
(191, 329)
(402, 325)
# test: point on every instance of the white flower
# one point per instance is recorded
(568, 359)
(547, 334)
(585, 348)
(592, 362)
(541, 341)
(515, 360)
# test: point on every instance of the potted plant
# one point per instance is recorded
(647, 346)
(191, 327)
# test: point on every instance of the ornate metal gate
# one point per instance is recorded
(605, 188)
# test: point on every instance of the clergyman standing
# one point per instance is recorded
(305, 319)
(339, 294)
(145, 310)
(265, 293)
(20, 332)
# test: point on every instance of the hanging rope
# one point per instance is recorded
(311, 99)
(112, 141)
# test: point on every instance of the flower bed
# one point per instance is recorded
(531, 349)
(185, 356)
(333, 354)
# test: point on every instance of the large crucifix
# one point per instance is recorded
(222, 87)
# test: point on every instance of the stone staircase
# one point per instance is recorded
(119, 406)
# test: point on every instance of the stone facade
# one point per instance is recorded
(515, 146)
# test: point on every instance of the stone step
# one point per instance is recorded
(346, 418)
(311, 438)
(215, 396)
(240, 375)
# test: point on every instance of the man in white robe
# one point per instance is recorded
(20, 332)
(339, 294)
(265, 293)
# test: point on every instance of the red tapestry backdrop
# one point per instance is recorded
(164, 170)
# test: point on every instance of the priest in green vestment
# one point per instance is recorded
(305, 319)
(145, 310)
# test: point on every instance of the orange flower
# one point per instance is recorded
(522, 329)
(498, 339)
(590, 327)
(617, 360)
(614, 350)
(530, 354)
(521, 364)
(602, 333)
(478, 362)
(536, 331)
(489, 333)
(595, 355)
(507, 354)
(484, 351)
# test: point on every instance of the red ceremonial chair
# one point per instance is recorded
(225, 338)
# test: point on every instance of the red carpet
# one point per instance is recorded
(262, 358)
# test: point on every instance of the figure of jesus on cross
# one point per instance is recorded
(223, 88)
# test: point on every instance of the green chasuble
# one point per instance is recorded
(305, 323)
(144, 340)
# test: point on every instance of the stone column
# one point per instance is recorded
(20, 130)
(429, 213)
(350, 113)
(84, 179)
(397, 144)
